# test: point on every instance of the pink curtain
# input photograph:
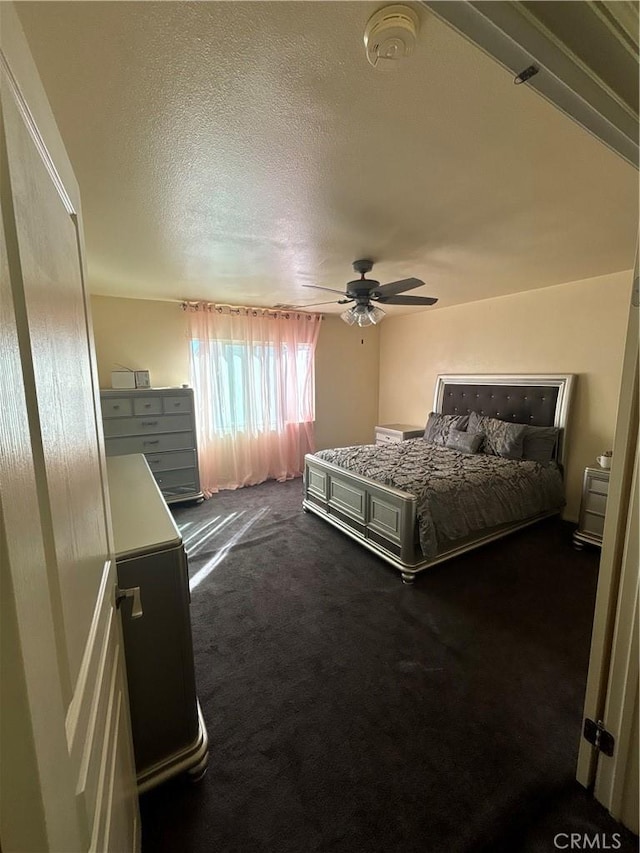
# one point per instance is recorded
(252, 372)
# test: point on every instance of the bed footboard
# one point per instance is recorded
(382, 518)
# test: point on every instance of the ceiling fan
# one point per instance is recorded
(366, 291)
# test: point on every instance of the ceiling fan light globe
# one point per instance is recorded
(364, 320)
(348, 316)
(376, 314)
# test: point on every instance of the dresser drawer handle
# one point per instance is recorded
(116, 407)
(149, 423)
(155, 441)
(147, 405)
(177, 404)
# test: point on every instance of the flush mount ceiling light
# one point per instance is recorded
(390, 35)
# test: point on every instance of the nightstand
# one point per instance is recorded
(595, 488)
(391, 433)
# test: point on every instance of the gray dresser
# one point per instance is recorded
(169, 734)
(160, 423)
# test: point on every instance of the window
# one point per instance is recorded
(259, 387)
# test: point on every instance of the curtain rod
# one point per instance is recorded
(241, 310)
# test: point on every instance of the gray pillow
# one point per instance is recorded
(501, 438)
(465, 442)
(540, 443)
(438, 427)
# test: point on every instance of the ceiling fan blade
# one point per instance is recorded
(405, 300)
(398, 286)
(330, 289)
(330, 302)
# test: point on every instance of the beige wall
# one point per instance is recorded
(572, 328)
(149, 335)
(141, 334)
(346, 384)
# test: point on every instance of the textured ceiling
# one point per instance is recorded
(236, 151)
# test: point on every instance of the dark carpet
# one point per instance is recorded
(349, 712)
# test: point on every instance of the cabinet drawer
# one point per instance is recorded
(171, 493)
(150, 424)
(177, 404)
(595, 502)
(116, 407)
(170, 461)
(150, 444)
(182, 477)
(384, 438)
(598, 485)
(147, 406)
(593, 524)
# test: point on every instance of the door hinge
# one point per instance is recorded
(596, 734)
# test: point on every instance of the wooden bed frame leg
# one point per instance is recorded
(408, 577)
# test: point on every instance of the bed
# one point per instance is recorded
(419, 502)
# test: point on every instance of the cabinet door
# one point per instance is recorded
(67, 675)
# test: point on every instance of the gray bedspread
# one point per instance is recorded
(458, 494)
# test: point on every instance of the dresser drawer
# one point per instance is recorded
(182, 492)
(170, 461)
(177, 404)
(150, 424)
(170, 479)
(149, 444)
(147, 405)
(116, 407)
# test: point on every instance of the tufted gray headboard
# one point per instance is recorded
(537, 400)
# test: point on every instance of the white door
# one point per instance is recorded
(68, 781)
(617, 784)
(612, 683)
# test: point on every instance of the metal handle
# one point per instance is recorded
(149, 423)
(134, 594)
(157, 441)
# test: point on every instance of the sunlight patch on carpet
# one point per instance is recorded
(219, 555)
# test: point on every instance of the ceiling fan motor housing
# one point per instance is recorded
(390, 35)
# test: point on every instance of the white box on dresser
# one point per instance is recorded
(389, 433)
(160, 423)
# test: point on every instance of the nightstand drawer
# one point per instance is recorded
(593, 525)
(598, 485)
(595, 503)
(382, 438)
(390, 433)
